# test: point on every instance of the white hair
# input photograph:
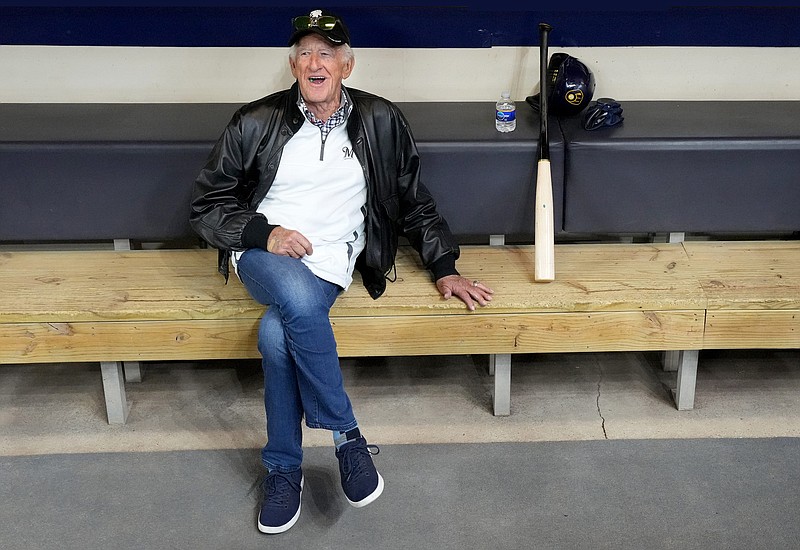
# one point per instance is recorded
(346, 50)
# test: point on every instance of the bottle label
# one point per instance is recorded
(506, 116)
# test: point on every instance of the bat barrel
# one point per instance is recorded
(544, 147)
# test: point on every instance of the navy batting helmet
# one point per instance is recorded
(570, 86)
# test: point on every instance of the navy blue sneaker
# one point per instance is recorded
(281, 506)
(360, 480)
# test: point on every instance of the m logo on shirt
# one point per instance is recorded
(348, 153)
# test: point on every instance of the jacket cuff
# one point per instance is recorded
(444, 266)
(256, 232)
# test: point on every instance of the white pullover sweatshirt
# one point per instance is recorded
(320, 191)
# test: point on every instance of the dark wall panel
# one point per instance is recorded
(404, 27)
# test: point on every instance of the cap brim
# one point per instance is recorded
(336, 41)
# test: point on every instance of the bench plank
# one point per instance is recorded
(523, 333)
(758, 275)
(589, 277)
(182, 284)
(749, 329)
(753, 290)
(109, 285)
(356, 336)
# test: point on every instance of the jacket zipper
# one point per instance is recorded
(322, 147)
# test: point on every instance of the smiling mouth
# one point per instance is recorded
(316, 79)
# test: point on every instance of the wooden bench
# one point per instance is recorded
(753, 293)
(158, 305)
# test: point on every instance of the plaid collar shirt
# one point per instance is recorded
(337, 119)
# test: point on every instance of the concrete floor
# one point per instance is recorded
(217, 405)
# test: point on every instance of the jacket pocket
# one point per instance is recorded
(391, 205)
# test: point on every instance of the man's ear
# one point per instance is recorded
(348, 69)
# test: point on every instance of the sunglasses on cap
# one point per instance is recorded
(325, 22)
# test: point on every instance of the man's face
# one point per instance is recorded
(320, 68)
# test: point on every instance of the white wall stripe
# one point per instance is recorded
(42, 74)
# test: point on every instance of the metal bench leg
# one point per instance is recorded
(497, 240)
(500, 365)
(133, 371)
(122, 244)
(687, 379)
(671, 360)
(676, 237)
(117, 406)
(672, 237)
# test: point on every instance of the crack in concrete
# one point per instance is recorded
(599, 410)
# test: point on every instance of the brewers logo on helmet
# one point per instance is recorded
(570, 85)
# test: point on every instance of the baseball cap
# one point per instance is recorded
(327, 25)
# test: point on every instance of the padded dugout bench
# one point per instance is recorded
(78, 172)
(684, 166)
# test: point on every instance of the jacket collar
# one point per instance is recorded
(294, 117)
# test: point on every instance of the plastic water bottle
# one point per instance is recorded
(506, 113)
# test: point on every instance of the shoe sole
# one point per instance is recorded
(274, 530)
(370, 497)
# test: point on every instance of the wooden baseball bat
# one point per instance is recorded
(544, 231)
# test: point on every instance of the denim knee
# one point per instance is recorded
(272, 340)
(286, 284)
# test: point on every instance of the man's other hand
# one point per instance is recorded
(468, 291)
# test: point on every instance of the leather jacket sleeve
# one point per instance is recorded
(419, 220)
(220, 208)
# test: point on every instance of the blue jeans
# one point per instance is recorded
(301, 366)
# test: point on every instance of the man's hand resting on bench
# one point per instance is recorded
(468, 291)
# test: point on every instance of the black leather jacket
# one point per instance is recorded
(244, 161)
